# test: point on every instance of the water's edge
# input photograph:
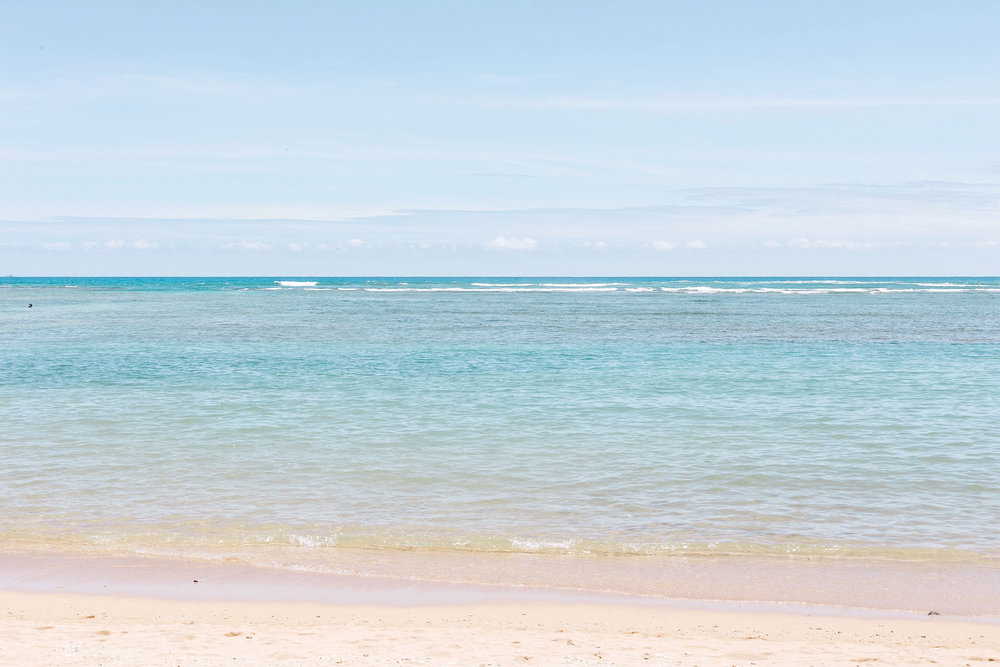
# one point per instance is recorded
(851, 587)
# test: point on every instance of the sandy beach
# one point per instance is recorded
(60, 610)
(73, 629)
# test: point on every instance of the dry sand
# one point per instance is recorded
(75, 629)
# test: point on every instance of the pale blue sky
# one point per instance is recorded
(558, 138)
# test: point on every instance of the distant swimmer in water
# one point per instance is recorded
(29, 305)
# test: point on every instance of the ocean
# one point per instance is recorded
(227, 418)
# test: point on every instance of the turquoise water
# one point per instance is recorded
(567, 415)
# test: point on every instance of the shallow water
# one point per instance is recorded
(209, 416)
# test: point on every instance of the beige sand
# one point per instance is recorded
(72, 629)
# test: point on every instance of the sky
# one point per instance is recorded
(499, 138)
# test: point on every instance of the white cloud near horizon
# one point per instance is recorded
(837, 216)
(255, 246)
(504, 243)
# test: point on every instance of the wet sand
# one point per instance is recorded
(392, 577)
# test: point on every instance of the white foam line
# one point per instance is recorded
(491, 289)
(502, 284)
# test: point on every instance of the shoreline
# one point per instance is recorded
(402, 579)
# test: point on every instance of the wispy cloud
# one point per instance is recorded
(656, 104)
(110, 85)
